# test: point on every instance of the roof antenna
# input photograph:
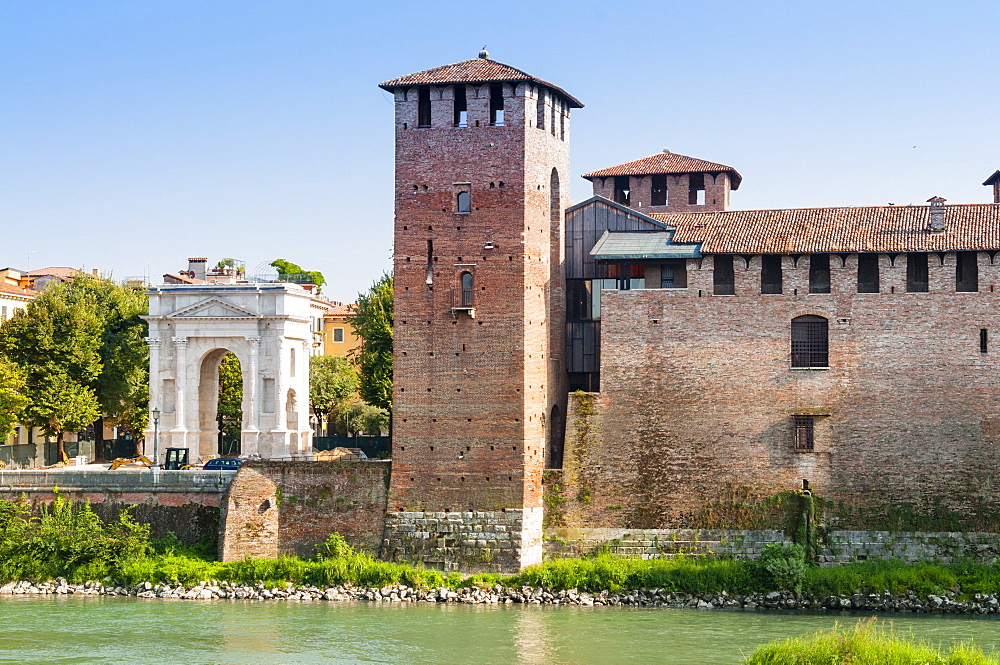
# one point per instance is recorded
(484, 54)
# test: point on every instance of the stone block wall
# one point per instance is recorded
(946, 547)
(502, 541)
(276, 508)
(561, 542)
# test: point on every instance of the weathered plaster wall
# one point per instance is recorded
(278, 508)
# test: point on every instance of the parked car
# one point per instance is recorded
(223, 464)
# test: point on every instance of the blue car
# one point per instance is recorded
(223, 464)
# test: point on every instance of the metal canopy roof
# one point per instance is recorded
(642, 245)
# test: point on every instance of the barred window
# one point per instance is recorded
(802, 427)
(467, 286)
(810, 341)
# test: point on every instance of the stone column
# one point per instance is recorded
(155, 390)
(179, 430)
(251, 397)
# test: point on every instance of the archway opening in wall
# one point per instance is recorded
(557, 438)
(229, 407)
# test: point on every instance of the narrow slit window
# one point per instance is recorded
(430, 262)
(540, 111)
(868, 273)
(562, 126)
(463, 202)
(468, 289)
(461, 107)
(770, 273)
(496, 104)
(723, 276)
(916, 273)
(810, 341)
(424, 107)
(819, 273)
(658, 195)
(983, 340)
(804, 432)
(966, 272)
(696, 189)
(622, 191)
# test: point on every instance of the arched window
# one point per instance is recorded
(467, 289)
(810, 341)
(464, 202)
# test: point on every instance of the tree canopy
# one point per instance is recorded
(80, 346)
(372, 321)
(292, 272)
(333, 384)
(12, 399)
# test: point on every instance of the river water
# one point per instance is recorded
(127, 630)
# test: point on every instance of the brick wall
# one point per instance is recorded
(290, 507)
(698, 393)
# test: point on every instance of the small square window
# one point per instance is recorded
(338, 334)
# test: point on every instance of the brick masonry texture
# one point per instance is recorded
(698, 393)
(276, 508)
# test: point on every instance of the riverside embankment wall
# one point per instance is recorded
(185, 503)
(275, 508)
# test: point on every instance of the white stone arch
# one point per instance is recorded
(267, 327)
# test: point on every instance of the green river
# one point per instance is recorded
(128, 630)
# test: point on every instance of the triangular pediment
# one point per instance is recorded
(213, 308)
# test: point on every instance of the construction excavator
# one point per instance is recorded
(129, 461)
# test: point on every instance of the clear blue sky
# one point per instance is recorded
(136, 134)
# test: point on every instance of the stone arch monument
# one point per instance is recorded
(267, 326)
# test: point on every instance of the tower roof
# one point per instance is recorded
(477, 70)
(993, 178)
(666, 162)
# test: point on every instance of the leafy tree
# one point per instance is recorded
(371, 319)
(333, 383)
(80, 346)
(366, 419)
(226, 262)
(291, 272)
(230, 397)
(12, 399)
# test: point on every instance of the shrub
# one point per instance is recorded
(783, 566)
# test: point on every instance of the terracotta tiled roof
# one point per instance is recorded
(62, 272)
(182, 279)
(666, 162)
(17, 290)
(477, 70)
(338, 309)
(861, 229)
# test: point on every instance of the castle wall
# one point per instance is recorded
(697, 393)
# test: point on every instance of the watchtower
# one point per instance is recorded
(482, 157)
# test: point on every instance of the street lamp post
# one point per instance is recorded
(156, 438)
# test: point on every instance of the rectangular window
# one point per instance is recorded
(983, 340)
(461, 107)
(867, 273)
(496, 104)
(916, 273)
(3, 313)
(579, 299)
(770, 273)
(810, 341)
(622, 190)
(424, 107)
(658, 197)
(966, 272)
(338, 334)
(696, 189)
(803, 437)
(673, 274)
(819, 273)
(723, 276)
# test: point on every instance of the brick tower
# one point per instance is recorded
(482, 161)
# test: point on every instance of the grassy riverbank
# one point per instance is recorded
(867, 642)
(69, 540)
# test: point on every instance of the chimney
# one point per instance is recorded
(197, 266)
(995, 181)
(936, 224)
(94, 271)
